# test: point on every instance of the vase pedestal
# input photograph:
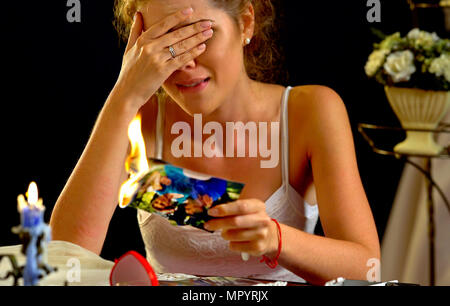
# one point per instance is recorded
(420, 143)
(418, 109)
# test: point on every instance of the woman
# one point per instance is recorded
(199, 52)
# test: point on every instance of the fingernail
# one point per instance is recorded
(206, 24)
(206, 226)
(202, 47)
(188, 11)
(208, 33)
(212, 211)
(245, 256)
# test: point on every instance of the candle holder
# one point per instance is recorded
(16, 273)
(34, 245)
(35, 236)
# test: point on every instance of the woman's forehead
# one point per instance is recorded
(155, 10)
(159, 9)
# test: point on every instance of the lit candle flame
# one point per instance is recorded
(32, 194)
(136, 164)
(32, 200)
(21, 202)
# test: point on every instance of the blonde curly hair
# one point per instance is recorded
(262, 57)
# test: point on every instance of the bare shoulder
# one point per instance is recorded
(315, 98)
(320, 111)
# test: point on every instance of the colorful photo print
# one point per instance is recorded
(182, 196)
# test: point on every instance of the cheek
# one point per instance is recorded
(225, 59)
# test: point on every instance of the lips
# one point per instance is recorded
(192, 82)
(193, 86)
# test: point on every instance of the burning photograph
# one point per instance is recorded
(182, 196)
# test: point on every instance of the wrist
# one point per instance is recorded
(272, 250)
(130, 100)
(271, 257)
(122, 105)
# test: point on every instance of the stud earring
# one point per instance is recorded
(248, 41)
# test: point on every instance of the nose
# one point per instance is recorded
(189, 65)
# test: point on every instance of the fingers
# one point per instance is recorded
(186, 57)
(183, 33)
(171, 21)
(188, 41)
(185, 45)
(238, 222)
(254, 247)
(135, 32)
(237, 208)
(245, 224)
(241, 235)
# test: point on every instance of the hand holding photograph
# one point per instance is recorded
(182, 196)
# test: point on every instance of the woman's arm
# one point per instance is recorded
(87, 203)
(85, 207)
(345, 213)
(351, 236)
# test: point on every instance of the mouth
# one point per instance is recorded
(194, 85)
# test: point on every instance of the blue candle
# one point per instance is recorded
(32, 222)
(31, 216)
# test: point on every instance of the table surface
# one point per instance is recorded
(83, 268)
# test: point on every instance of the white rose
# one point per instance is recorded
(440, 66)
(376, 59)
(413, 34)
(422, 38)
(435, 37)
(400, 66)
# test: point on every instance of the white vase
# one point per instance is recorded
(418, 109)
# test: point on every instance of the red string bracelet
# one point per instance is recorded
(273, 263)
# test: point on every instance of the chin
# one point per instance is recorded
(193, 103)
(193, 107)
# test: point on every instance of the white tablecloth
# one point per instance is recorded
(80, 267)
(405, 251)
(74, 263)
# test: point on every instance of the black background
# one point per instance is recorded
(57, 75)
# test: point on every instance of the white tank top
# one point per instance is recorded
(188, 250)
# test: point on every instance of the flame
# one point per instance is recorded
(32, 194)
(136, 164)
(21, 202)
(32, 200)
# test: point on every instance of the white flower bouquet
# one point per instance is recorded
(419, 60)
